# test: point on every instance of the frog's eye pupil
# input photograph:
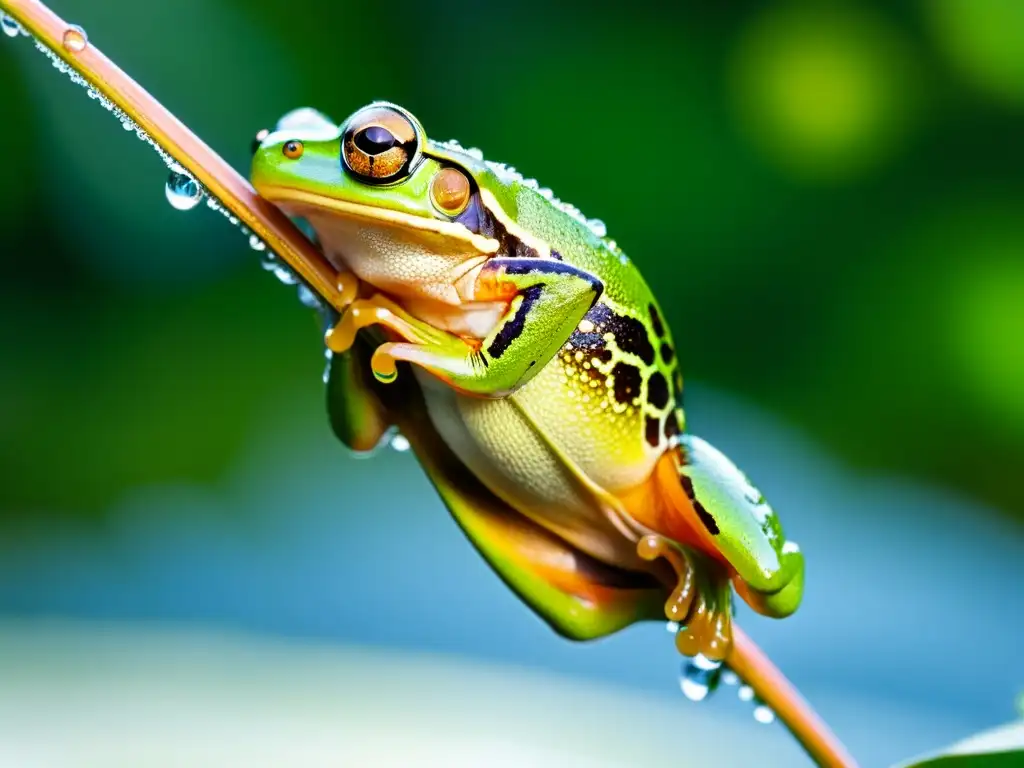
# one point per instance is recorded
(379, 145)
(375, 140)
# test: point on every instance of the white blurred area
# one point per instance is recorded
(78, 694)
(905, 642)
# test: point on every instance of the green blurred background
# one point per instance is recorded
(828, 198)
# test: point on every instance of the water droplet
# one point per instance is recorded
(75, 39)
(729, 677)
(764, 714)
(597, 227)
(672, 627)
(183, 192)
(327, 367)
(399, 442)
(307, 298)
(699, 677)
(10, 27)
(256, 244)
(745, 692)
(281, 272)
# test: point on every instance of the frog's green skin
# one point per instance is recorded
(536, 380)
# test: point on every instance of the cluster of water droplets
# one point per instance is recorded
(509, 174)
(700, 676)
(183, 191)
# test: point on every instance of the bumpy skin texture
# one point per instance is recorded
(532, 370)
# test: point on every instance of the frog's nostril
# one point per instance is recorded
(259, 140)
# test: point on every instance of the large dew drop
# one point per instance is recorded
(9, 27)
(399, 442)
(183, 192)
(764, 714)
(699, 677)
(75, 39)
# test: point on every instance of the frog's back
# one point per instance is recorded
(609, 398)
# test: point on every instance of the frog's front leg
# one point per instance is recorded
(546, 301)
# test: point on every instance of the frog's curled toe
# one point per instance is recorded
(782, 601)
(699, 603)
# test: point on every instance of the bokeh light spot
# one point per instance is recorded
(824, 93)
(984, 40)
(986, 329)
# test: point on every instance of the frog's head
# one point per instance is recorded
(385, 202)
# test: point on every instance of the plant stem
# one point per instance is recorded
(755, 669)
(220, 180)
(281, 236)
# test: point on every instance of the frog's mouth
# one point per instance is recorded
(315, 208)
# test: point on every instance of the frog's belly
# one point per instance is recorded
(525, 450)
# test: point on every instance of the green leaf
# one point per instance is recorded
(1001, 747)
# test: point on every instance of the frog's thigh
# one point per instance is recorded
(356, 414)
(578, 596)
(744, 528)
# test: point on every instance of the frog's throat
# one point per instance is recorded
(288, 197)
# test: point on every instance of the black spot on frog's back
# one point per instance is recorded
(652, 430)
(629, 334)
(672, 425)
(656, 324)
(632, 338)
(657, 390)
(627, 381)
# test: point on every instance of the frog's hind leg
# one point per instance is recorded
(731, 518)
(714, 527)
(580, 597)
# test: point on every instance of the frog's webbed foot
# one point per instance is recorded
(700, 602)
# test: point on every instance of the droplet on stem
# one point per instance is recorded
(183, 192)
(75, 39)
(699, 677)
(399, 442)
(764, 714)
(10, 27)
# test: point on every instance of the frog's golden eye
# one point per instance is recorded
(379, 145)
(450, 190)
(292, 149)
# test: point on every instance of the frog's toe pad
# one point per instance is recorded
(700, 602)
(780, 603)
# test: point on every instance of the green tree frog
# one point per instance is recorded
(530, 367)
